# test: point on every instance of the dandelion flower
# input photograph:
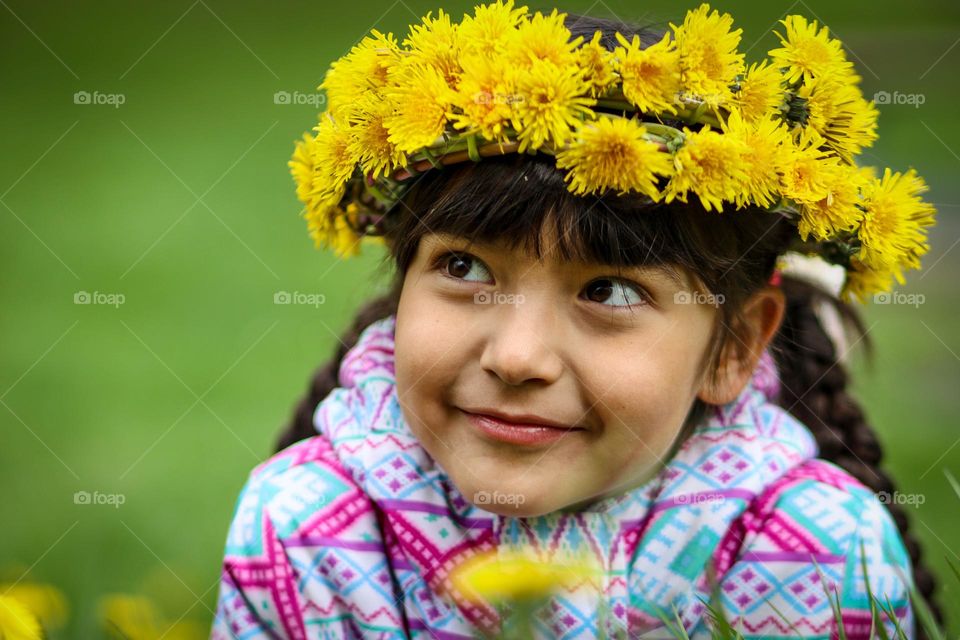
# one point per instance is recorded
(544, 38)
(370, 141)
(333, 228)
(597, 64)
(709, 60)
(894, 228)
(763, 141)
(491, 28)
(651, 76)
(485, 96)
(514, 576)
(17, 622)
(839, 210)
(806, 170)
(840, 114)
(434, 42)
(614, 153)
(809, 52)
(711, 165)
(761, 92)
(863, 281)
(551, 103)
(334, 161)
(366, 67)
(302, 166)
(423, 99)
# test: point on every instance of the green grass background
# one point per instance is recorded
(180, 200)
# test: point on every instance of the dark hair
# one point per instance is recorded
(512, 197)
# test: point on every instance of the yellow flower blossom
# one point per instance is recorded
(333, 228)
(806, 170)
(763, 141)
(366, 67)
(894, 228)
(491, 29)
(551, 103)
(515, 576)
(810, 52)
(761, 92)
(614, 153)
(711, 165)
(839, 210)
(840, 114)
(651, 76)
(17, 622)
(302, 166)
(335, 162)
(485, 96)
(544, 38)
(370, 141)
(423, 99)
(863, 282)
(709, 60)
(598, 65)
(434, 42)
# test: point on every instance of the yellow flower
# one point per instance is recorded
(840, 114)
(302, 166)
(333, 228)
(335, 162)
(514, 576)
(763, 141)
(711, 164)
(544, 38)
(491, 28)
(651, 76)
(894, 228)
(423, 99)
(551, 103)
(839, 210)
(612, 152)
(370, 141)
(810, 52)
(435, 43)
(597, 64)
(44, 601)
(709, 61)
(863, 282)
(16, 621)
(761, 92)
(807, 171)
(485, 96)
(365, 68)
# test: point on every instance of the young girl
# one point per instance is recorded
(588, 361)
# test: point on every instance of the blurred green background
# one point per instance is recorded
(179, 200)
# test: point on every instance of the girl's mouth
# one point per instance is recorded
(521, 433)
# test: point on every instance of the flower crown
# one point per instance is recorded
(781, 134)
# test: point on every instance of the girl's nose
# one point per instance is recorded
(520, 346)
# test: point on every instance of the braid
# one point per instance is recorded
(326, 378)
(814, 390)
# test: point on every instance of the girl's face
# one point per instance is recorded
(615, 358)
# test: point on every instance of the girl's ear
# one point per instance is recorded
(762, 315)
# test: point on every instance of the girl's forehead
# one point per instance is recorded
(512, 251)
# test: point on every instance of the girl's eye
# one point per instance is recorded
(623, 294)
(460, 266)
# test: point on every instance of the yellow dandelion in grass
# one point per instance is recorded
(485, 96)
(544, 38)
(840, 114)
(651, 76)
(434, 42)
(839, 210)
(763, 141)
(761, 92)
(423, 99)
(551, 104)
(335, 162)
(613, 153)
(17, 622)
(597, 64)
(515, 576)
(334, 228)
(366, 67)
(863, 282)
(370, 141)
(491, 28)
(709, 60)
(894, 228)
(806, 170)
(711, 165)
(810, 52)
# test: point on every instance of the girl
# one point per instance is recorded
(567, 363)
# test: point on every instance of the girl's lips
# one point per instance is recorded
(517, 433)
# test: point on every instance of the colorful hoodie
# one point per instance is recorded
(353, 533)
